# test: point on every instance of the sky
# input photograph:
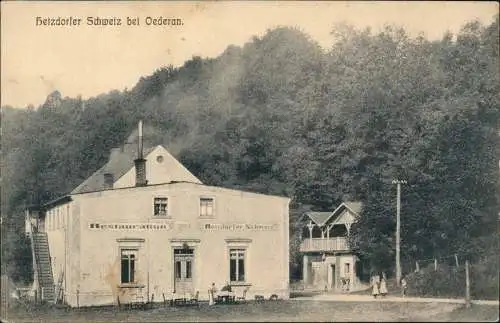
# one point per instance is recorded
(90, 60)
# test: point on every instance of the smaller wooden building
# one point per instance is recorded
(328, 262)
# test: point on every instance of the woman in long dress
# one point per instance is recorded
(383, 286)
(211, 293)
(404, 286)
(375, 282)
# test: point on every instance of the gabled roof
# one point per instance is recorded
(121, 160)
(354, 206)
(321, 218)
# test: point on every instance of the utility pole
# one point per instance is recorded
(398, 230)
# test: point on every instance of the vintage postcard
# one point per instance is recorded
(249, 161)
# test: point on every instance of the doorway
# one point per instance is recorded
(183, 271)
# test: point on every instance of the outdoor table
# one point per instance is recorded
(180, 301)
(225, 297)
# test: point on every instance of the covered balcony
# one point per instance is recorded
(324, 244)
(328, 231)
(326, 238)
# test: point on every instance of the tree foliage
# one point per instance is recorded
(281, 115)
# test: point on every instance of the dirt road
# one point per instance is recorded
(367, 298)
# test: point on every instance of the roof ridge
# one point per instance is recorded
(120, 160)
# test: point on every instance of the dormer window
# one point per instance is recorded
(161, 207)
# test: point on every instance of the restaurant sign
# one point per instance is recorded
(163, 226)
(238, 227)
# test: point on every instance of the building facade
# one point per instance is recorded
(152, 231)
(328, 262)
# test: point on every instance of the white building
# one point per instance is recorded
(153, 230)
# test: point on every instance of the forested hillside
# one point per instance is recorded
(281, 115)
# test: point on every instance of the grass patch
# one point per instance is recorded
(478, 313)
(268, 311)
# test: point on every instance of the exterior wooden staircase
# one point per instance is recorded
(40, 246)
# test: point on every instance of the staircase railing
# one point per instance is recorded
(42, 288)
(59, 291)
(35, 261)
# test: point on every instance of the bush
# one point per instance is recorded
(449, 281)
(484, 278)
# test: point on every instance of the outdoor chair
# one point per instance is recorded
(243, 296)
(137, 301)
(194, 299)
(259, 298)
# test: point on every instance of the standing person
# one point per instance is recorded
(211, 293)
(404, 286)
(383, 285)
(226, 288)
(375, 282)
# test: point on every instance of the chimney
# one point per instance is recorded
(140, 162)
(108, 181)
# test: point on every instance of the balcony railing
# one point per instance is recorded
(324, 244)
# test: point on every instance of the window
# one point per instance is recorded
(128, 261)
(206, 207)
(237, 265)
(128, 252)
(161, 206)
(347, 268)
